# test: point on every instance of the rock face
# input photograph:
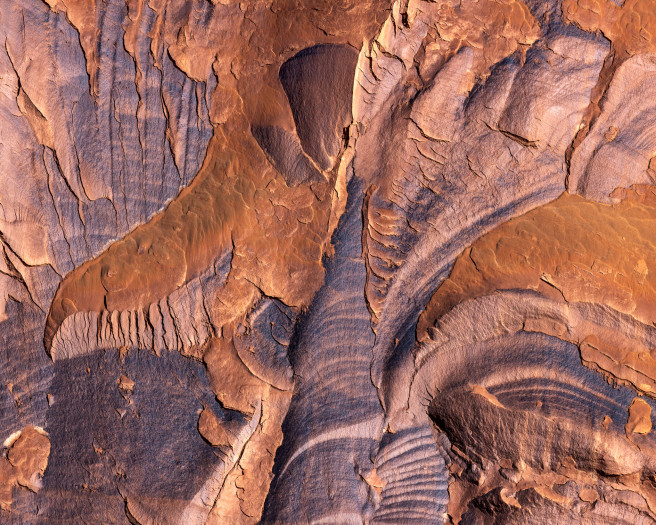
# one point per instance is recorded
(327, 262)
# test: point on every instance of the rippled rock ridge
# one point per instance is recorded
(327, 262)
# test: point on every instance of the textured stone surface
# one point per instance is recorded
(327, 262)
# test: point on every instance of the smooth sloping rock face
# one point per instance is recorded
(318, 82)
(327, 262)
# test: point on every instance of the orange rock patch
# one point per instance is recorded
(25, 463)
(631, 27)
(639, 421)
(570, 249)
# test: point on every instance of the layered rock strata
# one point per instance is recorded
(327, 262)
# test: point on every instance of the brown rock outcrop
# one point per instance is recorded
(327, 262)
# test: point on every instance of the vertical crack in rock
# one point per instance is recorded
(334, 399)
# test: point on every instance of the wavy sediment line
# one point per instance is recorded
(234, 202)
(571, 248)
(180, 321)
